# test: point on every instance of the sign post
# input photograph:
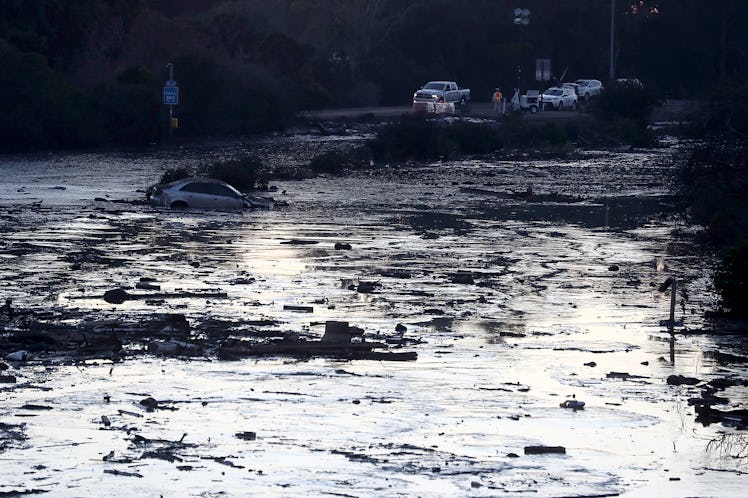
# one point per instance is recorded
(171, 98)
(542, 69)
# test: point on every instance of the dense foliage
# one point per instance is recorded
(79, 72)
(715, 181)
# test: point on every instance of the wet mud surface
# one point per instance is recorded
(521, 286)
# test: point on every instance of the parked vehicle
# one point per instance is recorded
(203, 194)
(629, 83)
(436, 93)
(588, 88)
(560, 98)
(573, 86)
(531, 101)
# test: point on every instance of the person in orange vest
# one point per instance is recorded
(497, 101)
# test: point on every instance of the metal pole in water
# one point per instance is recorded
(672, 305)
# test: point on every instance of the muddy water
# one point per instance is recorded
(562, 292)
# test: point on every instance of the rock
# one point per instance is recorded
(679, 380)
(7, 379)
(367, 287)
(462, 277)
(590, 364)
(342, 246)
(613, 268)
(247, 435)
(149, 403)
(340, 332)
(116, 296)
(512, 455)
(401, 328)
(433, 311)
(3, 366)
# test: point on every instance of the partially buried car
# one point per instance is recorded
(203, 194)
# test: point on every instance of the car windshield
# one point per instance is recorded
(583, 83)
(434, 86)
(554, 91)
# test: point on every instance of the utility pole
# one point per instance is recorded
(612, 37)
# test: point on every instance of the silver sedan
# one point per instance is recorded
(203, 194)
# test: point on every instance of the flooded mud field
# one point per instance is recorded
(518, 290)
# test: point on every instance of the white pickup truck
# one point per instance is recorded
(436, 94)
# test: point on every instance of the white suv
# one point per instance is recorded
(588, 88)
(560, 98)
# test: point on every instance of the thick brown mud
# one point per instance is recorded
(519, 285)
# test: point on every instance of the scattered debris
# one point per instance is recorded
(573, 403)
(122, 473)
(120, 295)
(707, 415)
(544, 450)
(679, 380)
(623, 376)
(302, 309)
(337, 342)
(246, 436)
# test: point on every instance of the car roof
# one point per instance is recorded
(199, 180)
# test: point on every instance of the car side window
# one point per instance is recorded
(221, 190)
(197, 187)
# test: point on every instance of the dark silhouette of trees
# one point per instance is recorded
(245, 65)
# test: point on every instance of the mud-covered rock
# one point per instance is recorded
(679, 380)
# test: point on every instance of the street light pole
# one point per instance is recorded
(612, 30)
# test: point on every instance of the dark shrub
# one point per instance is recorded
(38, 108)
(732, 280)
(174, 174)
(329, 162)
(473, 138)
(624, 102)
(414, 136)
(130, 108)
(243, 171)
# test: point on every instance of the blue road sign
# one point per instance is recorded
(171, 94)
